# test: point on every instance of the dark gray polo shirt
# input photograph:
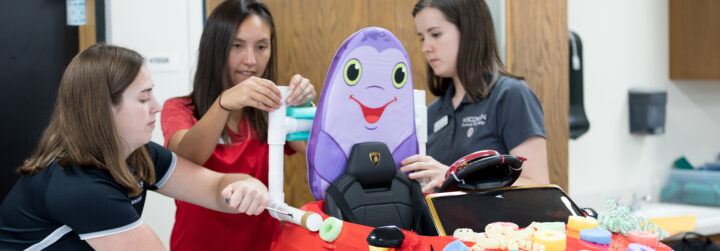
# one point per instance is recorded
(59, 207)
(509, 116)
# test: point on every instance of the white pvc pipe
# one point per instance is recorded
(276, 140)
(278, 126)
(307, 219)
(276, 173)
(297, 125)
(421, 126)
(421, 120)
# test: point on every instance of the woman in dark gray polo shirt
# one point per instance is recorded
(480, 105)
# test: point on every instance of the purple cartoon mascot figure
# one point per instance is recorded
(367, 97)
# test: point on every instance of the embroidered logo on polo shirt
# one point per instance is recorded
(136, 200)
(472, 121)
(141, 184)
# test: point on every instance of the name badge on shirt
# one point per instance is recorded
(440, 124)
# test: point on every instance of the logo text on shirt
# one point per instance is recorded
(472, 121)
(136, 200)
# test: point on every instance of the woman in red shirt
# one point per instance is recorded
(222, 124)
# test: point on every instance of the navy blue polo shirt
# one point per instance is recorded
(500, 122)
(58, 208)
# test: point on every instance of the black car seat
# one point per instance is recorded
(373, 192)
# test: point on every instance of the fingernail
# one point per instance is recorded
(227, 200)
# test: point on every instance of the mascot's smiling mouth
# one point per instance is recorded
(372, 115)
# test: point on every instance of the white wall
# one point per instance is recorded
(626, 45)
(497, 10)
(159, 29)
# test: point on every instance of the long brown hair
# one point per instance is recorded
(82, 130)
(478, 57)
(211, 76)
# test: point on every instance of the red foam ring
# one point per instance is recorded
(643, 238)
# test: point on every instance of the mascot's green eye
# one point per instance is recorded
(352, 71)
(399, 75)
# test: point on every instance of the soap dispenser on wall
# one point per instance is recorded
(579, 123)
(647, 110)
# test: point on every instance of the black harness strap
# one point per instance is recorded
(342, 204)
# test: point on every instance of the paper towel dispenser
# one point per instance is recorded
(579, 123)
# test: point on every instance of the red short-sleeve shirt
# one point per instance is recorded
(198, 228)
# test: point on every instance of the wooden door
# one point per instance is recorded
(537, 49)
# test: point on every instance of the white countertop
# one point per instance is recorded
(708, 218)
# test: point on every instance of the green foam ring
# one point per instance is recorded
(557, 226)
(298, 136)
(301, 112)
(330, 229)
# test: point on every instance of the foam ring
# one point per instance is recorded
(643, 238)
(578, 223)
(511, 225)
(464, 234)
(330, 229)
(556, 225)
(477, 247)
(596, 235)
(639, 247)
(553, 240)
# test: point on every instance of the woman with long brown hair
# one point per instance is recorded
(223, 123)
(480, 104)
(84, 187)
